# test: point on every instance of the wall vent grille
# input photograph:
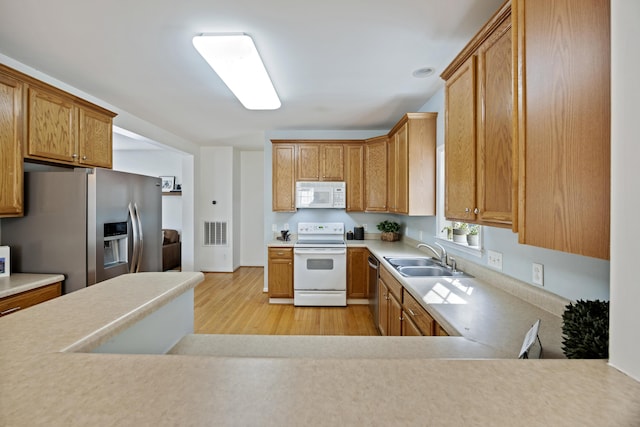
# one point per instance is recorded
(215, 233)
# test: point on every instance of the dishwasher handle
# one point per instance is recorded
(373, 262)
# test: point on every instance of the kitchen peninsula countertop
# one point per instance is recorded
(42, 384)
(22, 282)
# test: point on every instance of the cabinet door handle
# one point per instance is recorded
(9, 311)
(84, 157)
(476, 211)
(467, 210)
(74, 156)
(411, 312)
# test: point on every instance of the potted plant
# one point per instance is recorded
(389, 231)
(460, 231)
(472, 237)
(585, 329)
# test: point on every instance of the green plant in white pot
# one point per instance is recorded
(390, 231)
(473, 237)
(460, 231)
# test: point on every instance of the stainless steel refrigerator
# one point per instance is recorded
(88, 224)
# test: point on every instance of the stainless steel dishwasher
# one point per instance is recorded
(374, 265)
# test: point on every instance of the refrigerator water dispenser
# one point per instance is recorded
(115, 243)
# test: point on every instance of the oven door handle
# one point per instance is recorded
(319, 251)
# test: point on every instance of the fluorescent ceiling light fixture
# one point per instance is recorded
(234, 57)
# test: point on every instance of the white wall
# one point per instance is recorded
(251, 209)
(624, 345)
(216, 183)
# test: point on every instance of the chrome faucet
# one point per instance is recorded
(441, 255)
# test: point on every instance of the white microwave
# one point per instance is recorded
(320, 194)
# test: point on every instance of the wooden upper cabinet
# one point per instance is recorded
(51, 126)
(283, 180)
(354, 177)
(375, 174)
(94, 139)
(479, 168)
(320, 162)
(495, 128)
(11, 130)
(60, 129)
(392, 173)
(563, 57)
(411, 184)
(332, 162)
(460, 145)
(308, 162)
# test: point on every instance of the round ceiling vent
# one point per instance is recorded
(421, 73)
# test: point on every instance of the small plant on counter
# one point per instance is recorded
(460, 231)
(449, 230)
(585, 329)
(389, 231)
(472, 237)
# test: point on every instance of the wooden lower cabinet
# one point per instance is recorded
(409, 329)
(389, 311)
(17, 302)
(383, 308)
(399, 313)
(439, 331)
(389, 304)
(418, 315)
(280, 273)
(357, 273)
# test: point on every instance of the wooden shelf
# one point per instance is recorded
(172, 193)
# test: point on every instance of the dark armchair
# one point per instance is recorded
(171, 250)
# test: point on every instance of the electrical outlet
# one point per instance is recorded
(274, 227)
(286, 226)
(365, 227)
(420, 235)
(494, 259)
(537, 276)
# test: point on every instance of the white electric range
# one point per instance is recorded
(320, 265)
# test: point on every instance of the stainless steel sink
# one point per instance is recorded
(422, 267)
(424, 271)
(411, 261)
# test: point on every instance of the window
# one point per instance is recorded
(455, 234)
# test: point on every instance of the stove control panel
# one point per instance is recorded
(320, 228)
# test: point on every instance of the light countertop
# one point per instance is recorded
(48, 379)
(22, 282)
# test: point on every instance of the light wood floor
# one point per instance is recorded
(234, 303)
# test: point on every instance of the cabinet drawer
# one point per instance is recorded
(280, 253)
(26, 299)
(392, 283)
(419, 315)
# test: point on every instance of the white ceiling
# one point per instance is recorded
(336, 64)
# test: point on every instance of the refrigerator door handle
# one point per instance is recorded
(140, 237)
(134, 226)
